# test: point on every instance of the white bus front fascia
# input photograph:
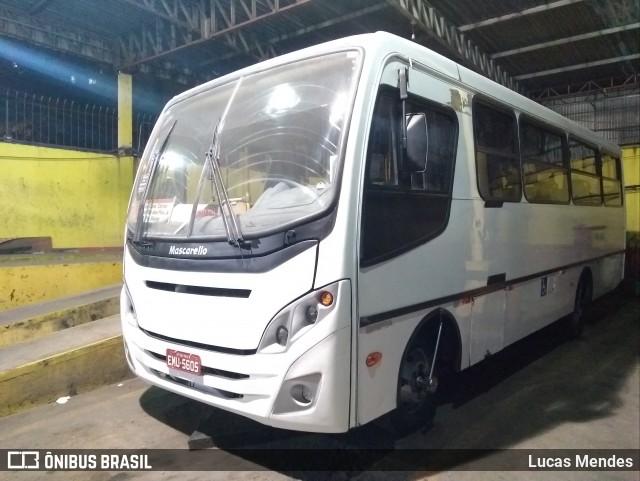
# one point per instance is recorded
(322, 352)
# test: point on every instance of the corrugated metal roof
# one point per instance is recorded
(591, 39)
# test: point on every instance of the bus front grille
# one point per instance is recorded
(199, 387)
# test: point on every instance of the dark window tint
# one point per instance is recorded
(404, 207)
(585, 178)
(497, 163)
(546, 177)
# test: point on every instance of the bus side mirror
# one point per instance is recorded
(415, 155)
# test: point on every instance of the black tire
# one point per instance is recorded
(416, 406)
(575, 320)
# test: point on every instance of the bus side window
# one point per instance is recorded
(611, 183)
(497, 162)
(585, 174)
(546, 176)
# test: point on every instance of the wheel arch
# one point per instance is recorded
(450, 342)
(586, 275)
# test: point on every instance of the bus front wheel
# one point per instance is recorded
(416, 403)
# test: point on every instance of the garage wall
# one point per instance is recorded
(631, 158)
(79, 199)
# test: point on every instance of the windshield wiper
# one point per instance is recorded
(212, 157)
(231, 225)
(137, 238)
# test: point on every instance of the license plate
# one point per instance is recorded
(184, 361)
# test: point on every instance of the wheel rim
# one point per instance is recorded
(413, 380)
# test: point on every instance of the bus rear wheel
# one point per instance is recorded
(416, 396)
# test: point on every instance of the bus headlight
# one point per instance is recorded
(282, 335)
(312, 314)
(297, 318)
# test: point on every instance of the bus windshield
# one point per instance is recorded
(260, 152)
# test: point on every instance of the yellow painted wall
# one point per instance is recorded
(44, 279)
(631, 159)
(79, 199)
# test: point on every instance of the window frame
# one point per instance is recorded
(532, 121)
(618, 163)
(405, 191)
(573, 171)
(487, 103)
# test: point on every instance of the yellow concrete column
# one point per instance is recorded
(126, 161)
(631, 158)
(125, 111)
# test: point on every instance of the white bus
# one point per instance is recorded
(314, 240)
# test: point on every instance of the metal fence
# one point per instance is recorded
(40, 119)
(45, 120)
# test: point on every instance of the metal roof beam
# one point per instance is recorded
(334, 21)
(562, 41)
(225, 16)
(246, 44)
(61, 38)
(222, 20)
(307, 29)
(511, 16)
(448, 35)
(605, 88)
(569, 68)
(179, 13)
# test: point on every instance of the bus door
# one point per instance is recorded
(405, 209)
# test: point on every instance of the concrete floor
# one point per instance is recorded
(542, 393)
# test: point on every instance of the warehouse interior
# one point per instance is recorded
(67, 79)
(82, 83)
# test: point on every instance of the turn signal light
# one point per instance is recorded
(326, 299)
(373, 359)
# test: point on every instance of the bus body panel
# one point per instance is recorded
(216, 320)
(532, 254)
(258, 385)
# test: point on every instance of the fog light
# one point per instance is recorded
(302, 393)
(282, 334)
(306, 394)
